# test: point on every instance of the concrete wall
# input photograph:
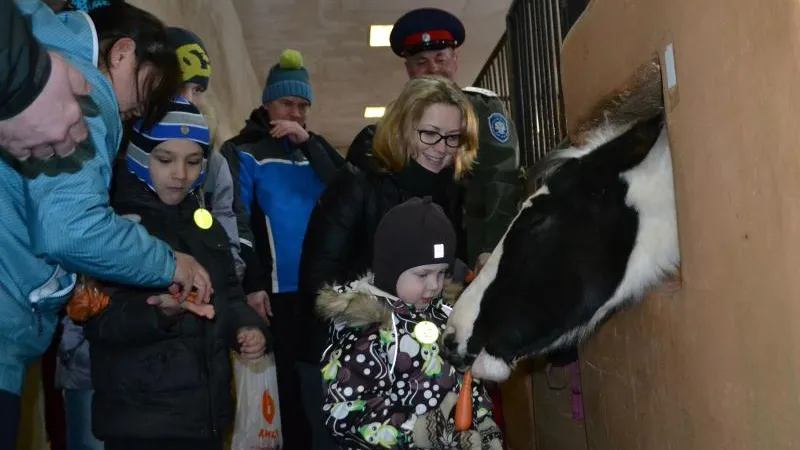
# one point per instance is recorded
(234, 89)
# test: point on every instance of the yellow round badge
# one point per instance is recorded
(203, 218)
(426, 332)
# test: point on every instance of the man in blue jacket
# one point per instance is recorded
(280, 169)
(57, 223)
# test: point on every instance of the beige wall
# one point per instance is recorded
(234, 89)
(32, 434)
(714, 364)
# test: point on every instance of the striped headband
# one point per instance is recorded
(182, 121)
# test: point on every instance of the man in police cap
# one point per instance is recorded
(428, 38)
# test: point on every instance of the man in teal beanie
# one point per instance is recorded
(281, 169)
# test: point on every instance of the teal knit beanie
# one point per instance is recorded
(288, 78)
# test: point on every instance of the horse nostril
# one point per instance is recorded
(451, 353)
(449, 344)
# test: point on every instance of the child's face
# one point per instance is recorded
(419, 285)
(174, 167)
(192, 92)
(129, 79)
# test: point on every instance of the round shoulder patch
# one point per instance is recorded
(498, 126)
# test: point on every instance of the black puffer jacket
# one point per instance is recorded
(167, 377)
(338, 242)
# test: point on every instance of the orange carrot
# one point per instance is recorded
(191, 298)
(470, 276)
(464, 404)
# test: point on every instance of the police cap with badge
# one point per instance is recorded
(426, 29)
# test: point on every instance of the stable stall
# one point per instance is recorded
(712, 359)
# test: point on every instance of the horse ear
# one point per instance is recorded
(630, 148)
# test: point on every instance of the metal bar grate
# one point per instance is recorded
(494, 75)
(523, 70)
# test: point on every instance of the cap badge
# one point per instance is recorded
(438, 251)
(426, 37)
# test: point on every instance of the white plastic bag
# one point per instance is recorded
(258, 422)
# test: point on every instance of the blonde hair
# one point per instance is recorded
(396, 132)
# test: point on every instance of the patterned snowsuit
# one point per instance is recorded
(380, 379)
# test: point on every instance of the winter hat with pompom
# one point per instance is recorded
(288, 78)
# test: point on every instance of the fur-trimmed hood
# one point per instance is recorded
(360, 303)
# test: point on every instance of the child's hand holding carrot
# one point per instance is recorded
(170, 305)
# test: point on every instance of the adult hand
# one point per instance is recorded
(431, 428)
(53, 124)
(260, 302)
(172, 307)
(189, 274)
(252, 343)
(296, 133)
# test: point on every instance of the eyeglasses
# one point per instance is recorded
(429, 137)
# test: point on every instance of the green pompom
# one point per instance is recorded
(291, 59)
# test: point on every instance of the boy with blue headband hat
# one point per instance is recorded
(141, 332)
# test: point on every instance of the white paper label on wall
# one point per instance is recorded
(669, 63)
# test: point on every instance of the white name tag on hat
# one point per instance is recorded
(438, 251)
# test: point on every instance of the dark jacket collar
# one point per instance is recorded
(256, 127)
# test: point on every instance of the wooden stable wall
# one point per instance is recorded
(714, 364)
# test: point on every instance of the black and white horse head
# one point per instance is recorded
(599, 232)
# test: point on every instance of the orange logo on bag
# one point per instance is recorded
(268, 406)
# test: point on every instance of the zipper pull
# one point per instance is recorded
(39, 326)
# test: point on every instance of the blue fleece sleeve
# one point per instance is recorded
(70, 223)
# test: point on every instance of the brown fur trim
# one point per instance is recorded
(358, 308)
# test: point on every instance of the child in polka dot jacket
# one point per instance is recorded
(386, 384)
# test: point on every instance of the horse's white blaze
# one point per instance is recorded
(462, 319)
